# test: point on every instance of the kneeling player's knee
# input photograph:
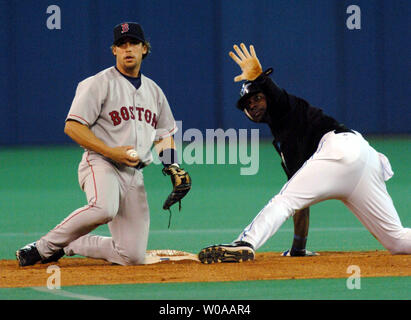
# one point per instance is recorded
(398, 245)
(106, 214)
(394, 249)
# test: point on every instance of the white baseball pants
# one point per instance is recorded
(347, 168)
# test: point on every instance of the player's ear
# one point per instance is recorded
(113, 49)
(145, 49)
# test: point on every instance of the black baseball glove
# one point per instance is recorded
(181, 181)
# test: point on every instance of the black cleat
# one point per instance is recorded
(54, 257)
(235, 252)
(28, 255)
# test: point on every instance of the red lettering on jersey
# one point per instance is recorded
(115, 117)
(124, 113)
(124, 28)
(132, 113)
(139, 109)
(154, 121)
(147, 116)
(127, 113)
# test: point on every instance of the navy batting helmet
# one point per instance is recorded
(250, 88)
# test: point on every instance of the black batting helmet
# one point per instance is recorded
(250, 88)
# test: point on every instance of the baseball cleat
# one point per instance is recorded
(235, 252)
(299, 253)
(28, 255)
(54, 257)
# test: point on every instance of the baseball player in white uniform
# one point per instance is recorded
(336, 163)
(114, 113)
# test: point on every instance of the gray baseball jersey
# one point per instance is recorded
(119, 115)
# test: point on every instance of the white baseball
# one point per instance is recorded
(132, 153)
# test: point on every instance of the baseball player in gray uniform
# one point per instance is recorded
(116, 116)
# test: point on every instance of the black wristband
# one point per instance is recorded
(168, 157)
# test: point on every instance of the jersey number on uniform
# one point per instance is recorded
(128, 113)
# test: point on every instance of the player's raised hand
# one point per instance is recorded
(247, 61)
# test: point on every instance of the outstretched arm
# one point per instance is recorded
(251, 70)
(301, 224)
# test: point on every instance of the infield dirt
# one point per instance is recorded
(266, 266)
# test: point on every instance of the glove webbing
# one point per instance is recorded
(169, 210)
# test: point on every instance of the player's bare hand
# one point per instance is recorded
(119, 154)
(247, 61)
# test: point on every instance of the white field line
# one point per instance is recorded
(67, 294)
(193, 231)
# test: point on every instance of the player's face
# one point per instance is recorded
(129, 54)
(256, 106)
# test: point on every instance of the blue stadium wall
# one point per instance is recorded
(362, 76)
